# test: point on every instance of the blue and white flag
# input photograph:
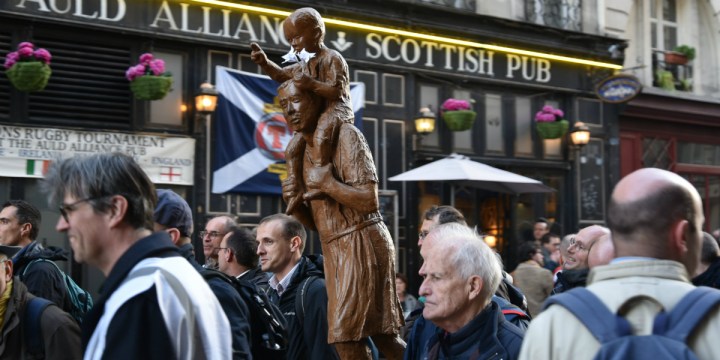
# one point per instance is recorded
(251, 132)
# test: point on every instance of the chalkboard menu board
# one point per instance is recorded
(592, 185)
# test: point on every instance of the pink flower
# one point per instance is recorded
(43, 55)
(25, 52)
(455, 105)
(11, 59)
(549, 114)
(134, 72)
(146, 58)
(547, 109)
(26, 44)
(157, 67)
(559, 113)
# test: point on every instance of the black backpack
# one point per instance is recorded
(267, 324)
(671, 330)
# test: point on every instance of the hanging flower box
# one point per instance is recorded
(28, 69)
(148, 79)
(458, 114)
(550, 124)
(676, 58)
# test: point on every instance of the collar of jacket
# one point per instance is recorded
(480, 333)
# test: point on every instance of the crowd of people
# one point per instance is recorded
(641, 265)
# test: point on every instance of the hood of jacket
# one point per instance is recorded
(34, 251)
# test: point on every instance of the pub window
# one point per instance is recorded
(369, 78)
(393, 90)
(663, 24)
(563, 14)
(245, 63)
(590, 111)
(217, 58)
(169, 110)
(429, 97)
(523, 126)
(494, 124)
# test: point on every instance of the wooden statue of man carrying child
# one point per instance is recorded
(324, 72)
(332, 188)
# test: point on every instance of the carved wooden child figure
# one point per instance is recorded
(325, 74)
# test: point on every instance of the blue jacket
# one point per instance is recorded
(487, 336)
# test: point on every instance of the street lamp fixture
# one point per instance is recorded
(425, 121)
(580, 135)
(206, 99)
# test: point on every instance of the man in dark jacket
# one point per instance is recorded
(281, 241)
(59, 332)
(708, 273)
(461, 274)
(153, 304)
(19, 226)
(173, 215)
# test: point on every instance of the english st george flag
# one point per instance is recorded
(251, 133)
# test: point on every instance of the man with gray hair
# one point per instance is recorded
(212, 235)
(458, 289)
(152, 304)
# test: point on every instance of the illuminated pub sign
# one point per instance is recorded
(217, 24)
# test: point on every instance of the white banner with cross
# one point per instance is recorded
(27, 152)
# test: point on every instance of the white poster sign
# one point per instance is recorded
(28, 152)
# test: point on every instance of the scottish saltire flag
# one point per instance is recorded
(251, 133)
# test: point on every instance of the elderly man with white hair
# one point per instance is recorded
(458, 289)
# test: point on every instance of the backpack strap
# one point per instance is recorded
(300, 297)
(592, 313)
(31, 323)
(687, 314)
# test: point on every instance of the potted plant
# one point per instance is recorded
(680, 56)
(148, 79)
(686, 50)
(665, 80)
(458, 114)
(550, 123)
(28, 68)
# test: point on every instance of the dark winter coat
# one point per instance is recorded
(233, 305)
(60, 332)
(487, 336)
(711, 276)
(568, 279)
(308, 340)
(42, 278)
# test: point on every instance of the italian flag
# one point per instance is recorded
(37, 167)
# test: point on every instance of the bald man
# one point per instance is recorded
(655, 218)
(602, 252)
(575, 268)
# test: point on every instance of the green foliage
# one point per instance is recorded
(665, 79)
(686, 50)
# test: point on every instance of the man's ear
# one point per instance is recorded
(8, 269)
(295, 243)
(25, 229)
(118, 209)
(174, 235)
(475, 285)
(679, 237)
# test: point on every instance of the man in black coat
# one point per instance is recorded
(173, 215)
(281, 241)
(19, 226)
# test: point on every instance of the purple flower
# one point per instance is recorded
(11, 59)
(549, 114)
(25, 52)
(455, 104)
(157, 67)
(547, 109)
(559, 113)
(146, 58)
(26, 44)
(43, 55)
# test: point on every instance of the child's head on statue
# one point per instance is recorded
(304, 29)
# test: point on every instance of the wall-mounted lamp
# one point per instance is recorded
(580, 134)
(490, 240)
(425, 121)
(206, 99)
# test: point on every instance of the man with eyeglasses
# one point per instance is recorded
(57, 331)
(19, 226)
(575, 265)
(215, 230)
(152, 304)
(173, 216)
